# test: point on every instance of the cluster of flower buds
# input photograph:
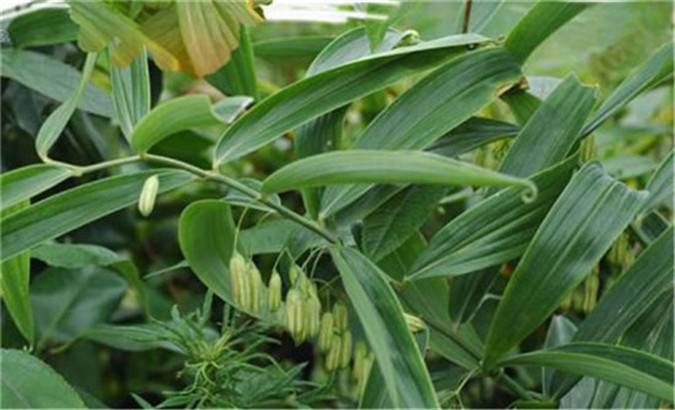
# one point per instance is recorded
(620, 255)
(303, 308)
(415, 324)
(363, 362)
(335, 339)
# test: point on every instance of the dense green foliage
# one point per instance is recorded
(457, 204)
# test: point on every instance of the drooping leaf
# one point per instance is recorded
(24, 183)
(653, 72)
(68, 302)
(578, 230)
(331, 89)
(396, 355)
(373, 166)
(42, 27)
(131, 92)
(542, 20)
(71, 209)
(494, 231)
(54, 79)
(432, 107)
(33, 384)
(54, 125)
(660, 186)
(15, 280)
(624, 366)
(471, 134)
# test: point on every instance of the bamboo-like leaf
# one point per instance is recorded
(660, 186)
(560, 332)
(653, 72)
(206, 234)
(372, 166)
(52, 128)
(291, 47)
(434, 106)
(522, 104)
(24, 183)
(471, 134)
(54, 79)
(624, 366)
(577, 231)
(400, 363)
(494, 231)
(131, 92)
(467, 293)
(33, 384)
(180, 114)
(328, 90)
(15, 280)
(542, 20)
(71, 209)
(42, 27)
(238, 76)
(392, 223)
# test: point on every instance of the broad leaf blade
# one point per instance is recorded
(381, 316)
(577, 231)
(372, 166)
(24, 183)
(328, 90)
(71, 209)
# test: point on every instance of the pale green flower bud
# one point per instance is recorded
(314, 311)
(415, 324)
(333, 358)
(239, 280)
(326, 332)
(345, 349)
(340, 316)
(274, 292)
(294, 273)
(254, 286)
(360, 352)
(294, 316)
(146, 201)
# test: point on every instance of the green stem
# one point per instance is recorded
(514, 386)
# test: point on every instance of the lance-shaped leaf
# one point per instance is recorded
(206, 234)
(71, 209)
(522, 104)
(54, 79)
(331, 89)
(578, 230)
(52, 128)
(496, 230)
(24, 183)
(542, 20)
(373, 166)
(621, 365)
(238, 76)
(131, 92)
(653, 72)
(635, 291)
(302, 47)
(180, 114)
(471, 134)
(660, 186)
(435, 105)
(42, 27)
(396, 355)
(33, 384)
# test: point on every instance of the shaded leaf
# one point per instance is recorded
(24, 183)
(660, 186)
(238, 76)
(471, 134)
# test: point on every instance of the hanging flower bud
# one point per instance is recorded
(294, 316)
(346, 349)
(415, 324)
(362, 379)
(274, 292)
(239, 280)
(146, 201)
(294, 273)
(360, 352)
(254, 285)
(314, 311)
(325, 332)
(340, 316)
(333, 358)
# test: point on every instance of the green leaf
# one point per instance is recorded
(432, 107)
(653, 72)
(238, 76)
(236, 198)
(467, 293)
(381, 316)
(392, 223)
(132, 338)
(15, 280)
(376, 28)
(73, 208)
(42, 27)
(522, 104)
(624, 366)
(316, 95)
(54, 125)
(33, 384)
(551, 131)
(178, 114)
(471, 134)
(578, 230)
(373, 166)
(291, 47)
(24, 183)
(273, 236)
(131, 92)
(542, 20)
(494, 231)
(53, 78)
(560, 332)
(660, 186)
(206, 235)
(68, 302)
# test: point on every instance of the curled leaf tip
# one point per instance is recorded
(530, 192)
